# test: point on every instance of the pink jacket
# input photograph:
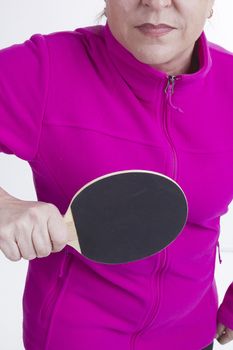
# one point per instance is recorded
(77, 105)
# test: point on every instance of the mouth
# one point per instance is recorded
(155, 26)
(153, 30)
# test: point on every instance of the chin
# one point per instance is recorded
(150, 59)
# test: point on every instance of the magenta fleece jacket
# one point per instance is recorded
(77, 105)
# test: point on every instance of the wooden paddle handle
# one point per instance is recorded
(72, 234)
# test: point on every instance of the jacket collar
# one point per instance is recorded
(143, 79)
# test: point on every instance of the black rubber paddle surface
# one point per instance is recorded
(129, 215)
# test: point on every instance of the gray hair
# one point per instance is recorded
(99, 16)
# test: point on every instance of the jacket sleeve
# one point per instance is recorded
(225, 310)
(24, 75)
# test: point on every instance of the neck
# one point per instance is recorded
(189, 66)
(194, 66)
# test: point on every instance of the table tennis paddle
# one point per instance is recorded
(125, 216)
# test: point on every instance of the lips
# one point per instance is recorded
(152, 26)
(152, 30)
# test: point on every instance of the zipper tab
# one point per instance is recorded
(170, 81)
(169, 91)
(219, 256)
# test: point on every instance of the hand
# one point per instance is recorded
(30, 229)
(224, 335)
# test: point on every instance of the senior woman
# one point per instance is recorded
(144, 91)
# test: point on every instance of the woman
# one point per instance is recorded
(79, 104)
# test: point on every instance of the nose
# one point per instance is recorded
(157, 4)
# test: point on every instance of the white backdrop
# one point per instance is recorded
(18, 21)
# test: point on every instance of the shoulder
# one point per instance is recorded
(220, 54)
(77, 38)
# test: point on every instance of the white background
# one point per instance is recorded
(18, 21)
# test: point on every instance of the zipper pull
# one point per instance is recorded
(169, 90)
(170, 81)
(219, 256)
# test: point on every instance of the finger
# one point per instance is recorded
(226, 337)
(220, 329)
(41, 241)
(10, 250)
(24, 242)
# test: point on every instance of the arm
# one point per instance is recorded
(24, 77)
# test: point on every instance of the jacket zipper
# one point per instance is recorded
(155, 308)
(169, 90)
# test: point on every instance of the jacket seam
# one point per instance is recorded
(102, 132)
(51, 174)
(47, 87)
